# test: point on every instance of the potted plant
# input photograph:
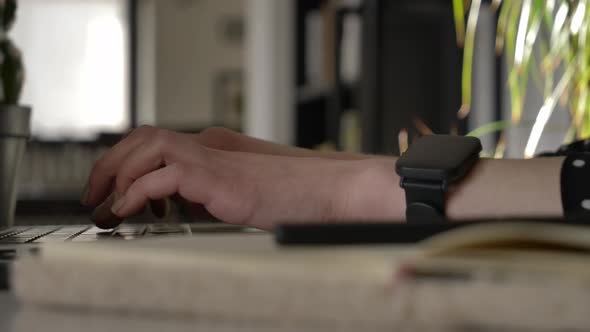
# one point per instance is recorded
(14, 118)
(546, 43)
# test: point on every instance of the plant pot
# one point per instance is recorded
(14, 133)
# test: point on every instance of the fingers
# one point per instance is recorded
(102, 215)
(101, 178)
(142, 152)
(144, 168)
(154, 154)
(104, 218)
(159, 184)
(145, 158)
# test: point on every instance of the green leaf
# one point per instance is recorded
(489, 128)
(516, 96)
(570, 135)
(587, 131)
(468, 58)
(459, 15)
(501, 27)
(523, 63)
(548, 84)
(495, 4)
(521, 32)
(560, 20)
(532, 32)
(579, 105)
(511, 25)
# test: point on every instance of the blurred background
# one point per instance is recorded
(355, 75)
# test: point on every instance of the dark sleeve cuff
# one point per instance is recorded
(582, 146)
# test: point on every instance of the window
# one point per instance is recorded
(76, 57)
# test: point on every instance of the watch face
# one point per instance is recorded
(439, 157)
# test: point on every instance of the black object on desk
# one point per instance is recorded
(382, 233)
(359, 233)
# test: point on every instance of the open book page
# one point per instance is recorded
(501, 275)
(519, 246)
(532, 235)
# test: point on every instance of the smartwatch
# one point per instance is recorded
(427, 169)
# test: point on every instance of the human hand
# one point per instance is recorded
(237, 187)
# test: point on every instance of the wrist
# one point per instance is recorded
(374, 192)
(508, 188)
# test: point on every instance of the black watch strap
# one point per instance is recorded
(425, 201)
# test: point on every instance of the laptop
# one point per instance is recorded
(56, 221)
(39, 223)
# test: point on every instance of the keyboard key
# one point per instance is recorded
(60, 234)
(51, 238)
(158, 229)
(126, 236)
(71, 230)
(20, 237)
(85, 238)
(95, 230)
(13, 231)
(29, 235)
(134, 230)
(91, 234)
(216, 228)
(12, 240)
(39, 230)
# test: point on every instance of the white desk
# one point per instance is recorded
(15, 318)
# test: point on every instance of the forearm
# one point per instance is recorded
(505, 188)
(255, 145)
(493, 189)
(501, 188)
(224, 139)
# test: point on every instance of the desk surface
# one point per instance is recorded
(16, 318)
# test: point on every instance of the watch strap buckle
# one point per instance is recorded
(425, 200)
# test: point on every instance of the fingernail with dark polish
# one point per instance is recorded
(102, 215)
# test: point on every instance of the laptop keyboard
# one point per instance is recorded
(88, 233)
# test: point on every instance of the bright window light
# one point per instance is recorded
(76, 56)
